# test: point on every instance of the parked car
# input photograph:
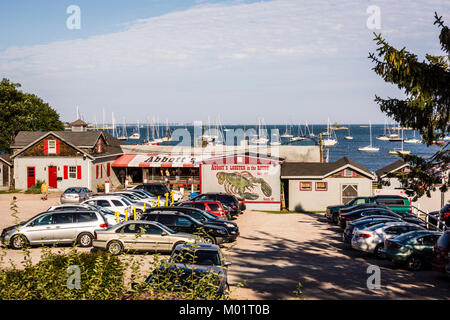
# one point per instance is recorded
(139, 235)
(182, 223)
(225, 199)
(441, 253)
(364, 223)
(351, 216)
(214, 207)
(75, 195)
(117, 203)
(372, 239)
(155, 188)
(136, 197)
(110, 216)
(187, 266)
(202, 216)
(55, 227)
(332, 212)
(443, 215)
(345, 218)
(413, 249)
(396, 203)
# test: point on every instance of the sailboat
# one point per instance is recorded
(123, 135)
(383, 137)
(331, 140)
(413, 140)
(260, 138)
(300, 135)
(369, 148)
(348, 136)
(398, 151)
(136, 135)
(287, 133)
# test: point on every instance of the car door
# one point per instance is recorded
(168, 220)
(41, 229)
(153, 239)
(184, 224)
(425, 246)
(130, 234)
(64, 227)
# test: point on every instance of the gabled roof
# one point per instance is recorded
(320, 169)
(397, 165)
(78, 140)
(78, 123)
(6, 158)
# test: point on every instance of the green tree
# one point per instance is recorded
(426, 108)
(23, 111)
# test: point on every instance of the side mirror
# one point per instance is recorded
(226, 263)
(164, 234)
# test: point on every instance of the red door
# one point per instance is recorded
(31, 177)
(52, 175)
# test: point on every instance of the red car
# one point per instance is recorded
(441, 253)
(214, 207)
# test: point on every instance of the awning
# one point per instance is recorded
(158, 160)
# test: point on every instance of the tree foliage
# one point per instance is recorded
(426, 108)
(23, 111)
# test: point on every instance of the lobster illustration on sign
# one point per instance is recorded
(242, 184)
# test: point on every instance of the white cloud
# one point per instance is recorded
(273, 37)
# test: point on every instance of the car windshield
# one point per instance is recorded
(137, 196)
(146, 193)
(409, 235)
(158, 189)
(131, 196)
(197, 257)
(128, 202)
(377, 226)
(73, 190)
(208, 215)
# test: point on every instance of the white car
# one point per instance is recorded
(108, 214)
(113, 203)
(136, 196)
(371, 239)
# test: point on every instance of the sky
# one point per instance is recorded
(286, 61)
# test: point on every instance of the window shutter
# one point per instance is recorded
(101, 171)
(354, 173)
(96, 171)
(45, 146)
(108, 169)
(66, 172)
(58, 142)
(78, 172)
(343, 173)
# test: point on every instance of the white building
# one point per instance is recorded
(64, 159)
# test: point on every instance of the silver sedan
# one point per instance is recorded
(140, 235)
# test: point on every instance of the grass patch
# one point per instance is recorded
(10, 191)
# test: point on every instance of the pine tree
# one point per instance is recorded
(426, 108)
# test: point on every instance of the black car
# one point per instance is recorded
(180, 222)
(362, 206)
(347, 217)
(202, 216)
(226, 199)
(158, 189)
(364, 222)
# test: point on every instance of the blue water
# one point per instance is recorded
(348, 148)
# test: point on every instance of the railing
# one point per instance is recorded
(440, 224)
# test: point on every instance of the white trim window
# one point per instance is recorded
(52, 146)
(72, 172)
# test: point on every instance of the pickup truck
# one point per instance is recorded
(396, 203)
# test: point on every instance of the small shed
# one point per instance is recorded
(78, 125)
(312, 186)
(397, 166)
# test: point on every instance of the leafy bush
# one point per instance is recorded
(36, 189)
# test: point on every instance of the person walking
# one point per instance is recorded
(44, 191)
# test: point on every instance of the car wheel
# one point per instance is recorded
(209, 240)
(414, 263)
(85, 240)
(114, 247)
(18, 242)
(378, 253)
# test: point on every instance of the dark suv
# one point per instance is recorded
(180, 222)
(202, 216)
(226, 199)
(157, 189)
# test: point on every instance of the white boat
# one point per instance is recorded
(123, 135)
(383, 137)
(413, 140)
(261, 137)
(332, 139)
(369, 148)
(136, 135)
(349, 136)
(399, 151)
(287, 133)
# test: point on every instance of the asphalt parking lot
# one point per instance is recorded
(276, 252)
